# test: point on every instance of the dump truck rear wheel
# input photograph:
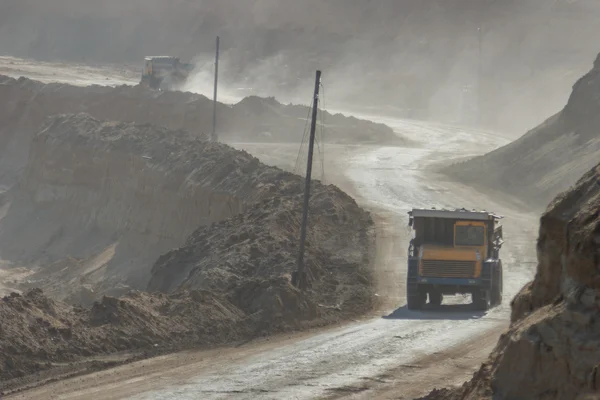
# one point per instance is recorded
(481, 300)
(435, 298)
(416, 297)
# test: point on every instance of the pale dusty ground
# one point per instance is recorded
(79, 75)
(392, 353)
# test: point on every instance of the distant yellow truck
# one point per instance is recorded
(454, 252)
(165, 72)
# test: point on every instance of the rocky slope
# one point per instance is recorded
(551, 350)
(99, 202)
(27, 103)
(548, 159)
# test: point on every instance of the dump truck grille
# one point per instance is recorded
(447, 269)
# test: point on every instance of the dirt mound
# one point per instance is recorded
(39, 334)
(551, 350)
(27, 103)
(548, 159)
(99, 202)
(262, 242)
(258, 118)
(42, 339)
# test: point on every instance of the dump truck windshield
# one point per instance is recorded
(469, 236)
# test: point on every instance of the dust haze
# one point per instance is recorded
(411, 58)
(130, 227)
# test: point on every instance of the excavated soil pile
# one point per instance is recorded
(265, 119)
(552, 349)
(26, 103)
(118, 195)
(548, 159)
(38, 334)
(99, 202)
(262, 244)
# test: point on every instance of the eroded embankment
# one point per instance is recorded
(551, 350)
(26, 103)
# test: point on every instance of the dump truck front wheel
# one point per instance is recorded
(435, 298)
(416, 297)
(481, 299)
(496, 292)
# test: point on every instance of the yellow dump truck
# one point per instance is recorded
(454, 252)
(165, 72)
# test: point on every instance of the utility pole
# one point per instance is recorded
(479, 75)
(214, 121)
(300, 278)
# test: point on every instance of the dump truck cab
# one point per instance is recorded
(164, 72)
(454, 252)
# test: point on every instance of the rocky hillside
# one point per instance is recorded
(99, 202)
(551, 350)
(548, 159)
(27, 103)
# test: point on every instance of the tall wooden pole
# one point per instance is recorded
(300, 280)
(214, 121)
(479, 75)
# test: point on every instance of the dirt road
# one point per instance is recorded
(393, 352)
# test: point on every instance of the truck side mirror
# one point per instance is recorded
(498, 233)
(410, 222)
(498, 238)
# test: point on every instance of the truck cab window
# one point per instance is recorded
(469, 236)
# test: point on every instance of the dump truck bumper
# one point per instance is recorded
(451, 286)
(450, 281)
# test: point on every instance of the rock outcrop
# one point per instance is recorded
(549, 158)
(552, 349)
